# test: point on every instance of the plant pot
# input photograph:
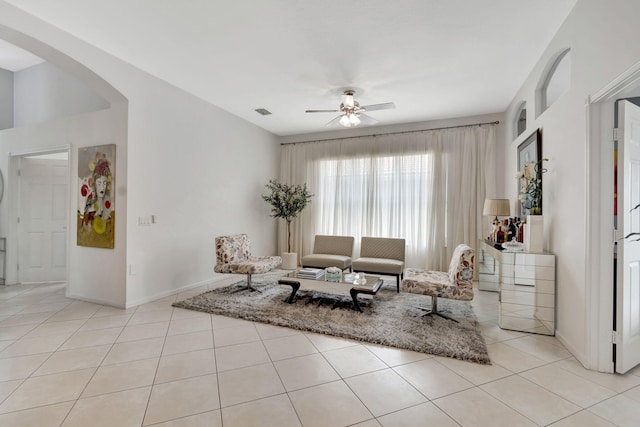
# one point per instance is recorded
(289, 261)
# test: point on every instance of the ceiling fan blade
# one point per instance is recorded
(322, 111)
(385, 106)
(367, 120)
(335, 120)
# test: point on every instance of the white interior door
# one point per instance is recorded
(628, 256)
(42, 236)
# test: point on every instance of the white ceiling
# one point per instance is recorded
(435, 59)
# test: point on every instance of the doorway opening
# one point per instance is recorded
(40, 203)
(626, 304)
(604, 279)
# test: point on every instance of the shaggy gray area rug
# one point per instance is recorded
(390, 318)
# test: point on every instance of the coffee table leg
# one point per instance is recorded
(294, 288)
(354, 297)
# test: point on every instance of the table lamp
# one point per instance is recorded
(496, 208)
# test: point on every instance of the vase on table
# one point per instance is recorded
(534, 233)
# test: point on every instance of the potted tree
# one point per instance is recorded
(287, 201)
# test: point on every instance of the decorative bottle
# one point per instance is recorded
(500, 234)
(521, 231)
(513, 231)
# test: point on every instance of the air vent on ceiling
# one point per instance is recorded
(262, 111)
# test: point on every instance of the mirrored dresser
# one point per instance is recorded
(526, 285)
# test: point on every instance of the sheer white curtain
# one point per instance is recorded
(426, 187)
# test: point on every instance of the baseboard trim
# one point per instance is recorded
(93, 300)
(175, 291)
(582, 358)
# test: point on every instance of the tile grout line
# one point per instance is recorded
(215, 363)
(44, 361)
(24, 380)
(155, 375)
(96, 369)
(516, 410)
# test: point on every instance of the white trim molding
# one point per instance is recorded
(599, 232)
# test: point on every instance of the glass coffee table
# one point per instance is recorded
(342, 288)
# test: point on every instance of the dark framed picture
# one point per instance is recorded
(530, 189)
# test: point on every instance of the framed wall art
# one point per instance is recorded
(530, 188)
(96, 196)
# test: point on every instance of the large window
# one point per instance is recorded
(380, 196)
(425, 187)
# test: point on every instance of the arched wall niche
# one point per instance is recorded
(555, 81)
(520, 119)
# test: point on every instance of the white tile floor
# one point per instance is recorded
(72, 363)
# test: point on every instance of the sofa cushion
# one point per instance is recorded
(378, 265)
(382, 247)
(461, 267)
(326, 260)
(256, 265)
(333, 245)
(434, 283)
(229, 250)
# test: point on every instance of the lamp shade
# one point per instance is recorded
(497, 207)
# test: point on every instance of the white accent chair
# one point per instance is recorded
(381, 255)
(233, 255)
(457, 283)
(330, 251)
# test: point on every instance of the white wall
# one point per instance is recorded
(6, 99)
(198, 169)
(602, 37)
(43, 92)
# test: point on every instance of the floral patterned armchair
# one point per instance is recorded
(457, 283)
(233, 255)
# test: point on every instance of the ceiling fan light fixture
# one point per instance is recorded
(347, 99)
(351, 113)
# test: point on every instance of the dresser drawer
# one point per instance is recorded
(527, 298)
(520, 271)
(516, 310)
(536, 260)
(529, 285)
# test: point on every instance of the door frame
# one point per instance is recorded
(13, 187)
(599, 231)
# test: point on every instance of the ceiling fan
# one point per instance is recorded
(352, 113)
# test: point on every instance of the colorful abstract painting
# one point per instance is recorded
(96, 196)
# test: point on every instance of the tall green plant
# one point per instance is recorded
(287, 201)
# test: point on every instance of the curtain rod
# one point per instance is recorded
(396, 133)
